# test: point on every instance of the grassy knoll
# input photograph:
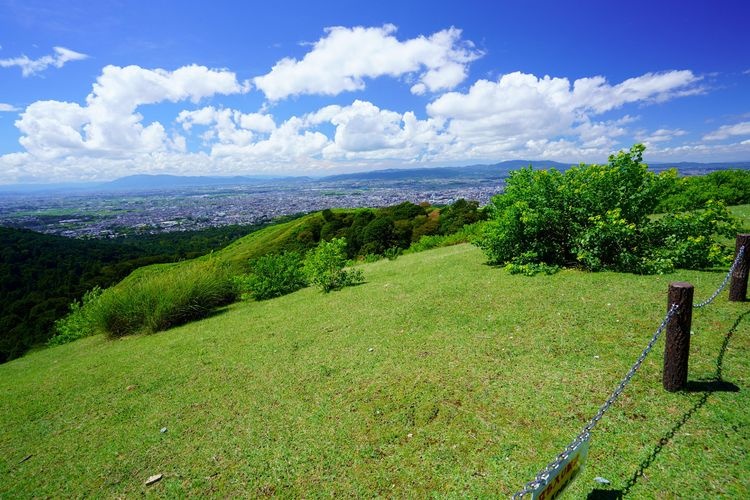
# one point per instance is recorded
(439, 376)
(271, 239)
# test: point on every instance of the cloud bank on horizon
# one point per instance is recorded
(515, 115)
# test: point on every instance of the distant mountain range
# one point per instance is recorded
(146, 182)
(164, 181)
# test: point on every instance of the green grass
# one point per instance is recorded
(465, 235)
(440, 376)
(742, 212)
(158, 301)
(160, 296)
(235, 256)
(271, 239)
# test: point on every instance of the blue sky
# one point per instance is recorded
(99, 90)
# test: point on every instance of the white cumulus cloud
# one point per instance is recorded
(109, 124)
(597, 95)
(727, 131)
(521, 111)
(288, 144)
(341, 60)
(229, 126)
(519, 115)
(33, 66)
(7, 108)
(364, 131)
(660, 135)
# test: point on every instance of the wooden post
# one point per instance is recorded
(738, 286)
(677, 348)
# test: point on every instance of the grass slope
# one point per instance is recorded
(271, 239)
(439, 376)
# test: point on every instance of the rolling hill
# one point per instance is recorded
(440, 376)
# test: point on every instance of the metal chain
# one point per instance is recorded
(543, 475)
(723, 283)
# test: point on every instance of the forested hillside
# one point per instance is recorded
(40, 275)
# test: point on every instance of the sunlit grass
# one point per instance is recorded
(742, 212)
(440, 376)
(157, 301)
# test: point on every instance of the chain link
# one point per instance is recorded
(723, 283)
(544, 474)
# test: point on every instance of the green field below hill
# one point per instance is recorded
(440, 376)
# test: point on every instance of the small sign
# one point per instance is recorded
(561, 476)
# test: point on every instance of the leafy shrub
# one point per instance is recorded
(273, 275)
(371, 257)
(241, 283)
(161, 300)
(607, 242)
(324, 266)
(78, 323)
(531, 269)
(599, 217)
(686, 238)
(465, 235)
(731, 187)
(392, 253)
(461, 213)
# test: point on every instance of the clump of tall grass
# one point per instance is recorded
(159, 301)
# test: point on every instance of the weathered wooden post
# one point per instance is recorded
(738, 286)
(677, 348)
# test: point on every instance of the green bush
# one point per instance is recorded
(531, 268)
(599, 217)
(371, 257)
(461, 213)
(324, 266)
(686, 238)
(78, 323)
(161, 300)
(465, 235)
(273, 275)
(393, 253)
(731, 187)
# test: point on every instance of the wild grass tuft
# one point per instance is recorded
(159, 301)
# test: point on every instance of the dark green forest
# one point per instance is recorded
(40, 274)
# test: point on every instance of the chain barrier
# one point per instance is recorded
(723, 283)
(543, 475)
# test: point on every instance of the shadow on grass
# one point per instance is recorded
(706, 387)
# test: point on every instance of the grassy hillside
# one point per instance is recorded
(439, 376)
(274, 238)
(41, 274)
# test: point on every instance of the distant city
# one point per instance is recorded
(155, 204)
(108, 215)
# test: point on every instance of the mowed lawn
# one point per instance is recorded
(440, 376)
